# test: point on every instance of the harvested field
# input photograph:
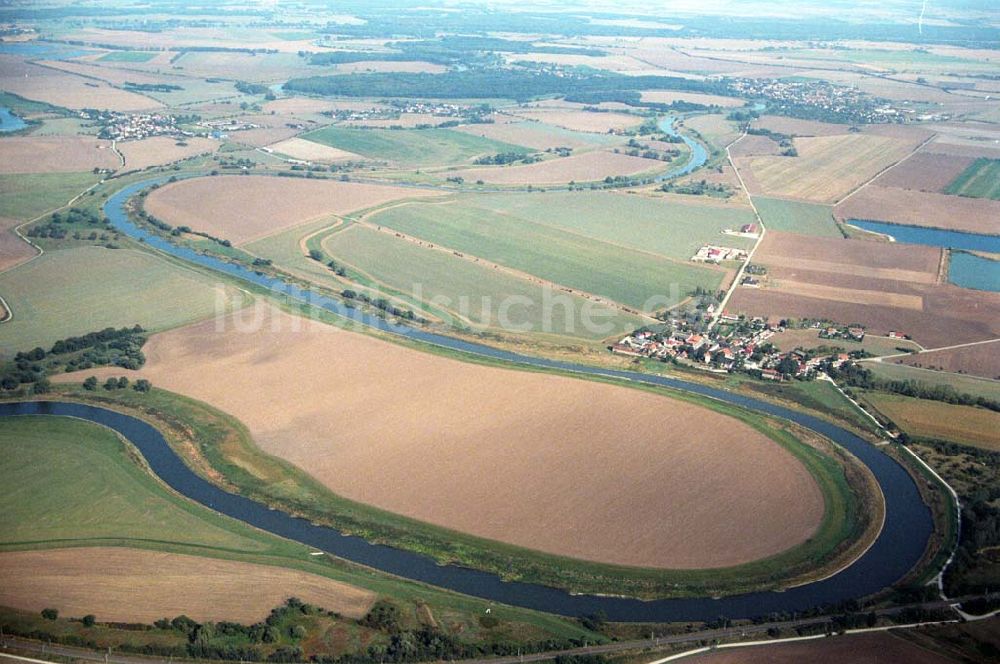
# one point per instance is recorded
(161, 150)
(755, 146)
(13, 250)
(407, 120)
(979, 360)
(828, 167)
(874, 283)
(586, 167)
(414, 147)
(851, 649)
(55, 154)
(581, 120)
(75, 291)
(669, 97)
(242, 208)
(535, 135)
(715, 129)
(919, 208)
(299, 148)
(857, 295)
(67, 90)
(922, 418)
(422, 435)
(306, 106)
(924, 171)
(115, 585)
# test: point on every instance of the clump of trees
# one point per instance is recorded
(857, 376)
(109, 347)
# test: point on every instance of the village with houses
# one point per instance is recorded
(737, 344)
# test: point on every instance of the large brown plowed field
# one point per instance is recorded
(852, 649)
(979, 360)
(244, 208)
(884, 286)
(135, 585)
(902, 206)
(556, 464)
(55, 154)
(924, 171)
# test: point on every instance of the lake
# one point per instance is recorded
(965, 270)
(10, 122)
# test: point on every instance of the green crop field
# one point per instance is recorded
(128, 56)
(75, 291)
(668, 228)
(25, 196)
(980, 180)
(468, 289)
(49, 499)
(621, 273)
(411, 146)
(796, 217)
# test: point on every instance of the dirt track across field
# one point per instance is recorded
(561, 465)
(136, 585)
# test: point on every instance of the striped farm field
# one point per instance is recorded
(75, 291)
(922, 418)
(828, 167)
(980, 180)
(594, 252)
(472, 290)
(415, 147)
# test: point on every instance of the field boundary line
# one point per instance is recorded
(17, 231)
(519, 274)
(760, 238)
(923, 351)
(884, 170)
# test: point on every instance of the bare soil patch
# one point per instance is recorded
(67, 90)
(881, 285)
(561, 465)
(55, 154)
(924, 171)
(851, 649)
(160, 150)
(582, 120)
(755, 146)
(135, 585)
(299, 148)
(586, 167)
(244, 208)
(13, 250)
(919, 208)
(980, 360)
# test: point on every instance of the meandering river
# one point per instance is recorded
(901, 543)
